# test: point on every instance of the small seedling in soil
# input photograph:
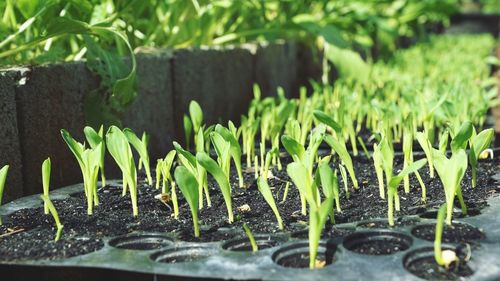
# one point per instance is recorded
(3, 177)
(94, 139)
(89, 160)
(478, 144)
(141, 146)
(189, 187)
(53, 212)
(46, 167)
(266, 192)
(234, 150)
(119, 148)
(249, 234)
(217, 172)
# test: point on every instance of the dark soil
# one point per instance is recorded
(456, 233)
(400, 222)
(427, 268)
(113, 217)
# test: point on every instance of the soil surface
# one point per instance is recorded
(83, 233)
(456, 233)
(428, 269)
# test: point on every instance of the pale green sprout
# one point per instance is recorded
(94, 139)
(251, 238)
(343, 175)
(330, 185)
(89, 160)
(478, 143)
(189, 161)
(55, 215)
(3, 177)
(266, 192)
(217, 172)
(451, 171)
(340, 149)
(447, 257)
(164, 170)
(393, 183)
(427, 148)
(188, 128)
(379, 169)
(119, 148)
(46, 167)
(189, 187)
(141, 146)
(285, 193)
(196, 115)
(159, 164)
(318, 211)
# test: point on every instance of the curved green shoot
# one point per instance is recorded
(479, 143)
(266, 192)
(188, 128)
(249, 234)
(451, 171)
(189, 187)
(327, 120)
(341, 150)
(426, 146)
(330, 185)
(95, 138)
(55, 215)
(379, 169)
(392, 187)
(461, 138)
(141, 146)
(3, 177)
(119, 148)
(447, 257)
(46, 167)
(235, 149)
(216, 171)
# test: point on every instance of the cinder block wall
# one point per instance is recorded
(36, 102)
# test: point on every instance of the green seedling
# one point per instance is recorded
(451, 171)
(461, 138)
(330, 185)
(55, 215)
(216, 171)
(478, 144)
(119, 148)
(235, 149)
(189, 187)
(159, 164)
(318, 211)
(94, 139)
(379, 169)
(249, 234)
(46, 167)
(447, 257)
(196, 115)
(285, 193)
(393, 183)
(3, 177)
(223, 151)
(427, 148)
(89, 160)
(189, 161)
(266, 192)
(188, 129)
(141, 146)
(340, 149)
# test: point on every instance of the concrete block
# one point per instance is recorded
(52, 98)
(276, 65)
(10, 151)
(153, 109)
(220, 80)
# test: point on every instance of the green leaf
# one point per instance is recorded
(235, 149)
(266, 192)
(188, 128)
(75, 147)
(196, 115)
(55, 215)
(293, 147)
(3, 178)
(412, 168)
(461, 138)
(211, 166)
(302, 180)
(341, 150)
(141, 146)
(327, 120)
(189, 187)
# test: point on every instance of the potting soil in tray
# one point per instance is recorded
(359, 246)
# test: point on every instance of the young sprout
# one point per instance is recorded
(266, 192)
(89, 161)
(393, 183)
(196, 115)
(166, 166)
(46, 167)
(447, 257)
(189, 161)
(249, 234)
(478, 144)
(189, 187)
(235, 149)
(188, 128)
(285, 193)
(451, 171)
(379, 169)
(427, 148)
(318, 211)
(217, 172)
(330, 185)
(94, 139)
(53, 212)
(141, 146)
(119, 148)
(340, 149)
(159, 164)
(3, 177)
